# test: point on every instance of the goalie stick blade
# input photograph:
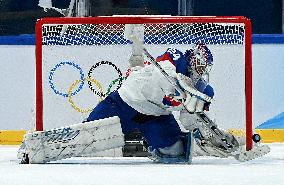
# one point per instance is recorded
(256, 152)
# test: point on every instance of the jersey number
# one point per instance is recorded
(173, 51)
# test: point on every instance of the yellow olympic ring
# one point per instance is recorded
(70, 90)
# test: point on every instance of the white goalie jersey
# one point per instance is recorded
(150, 93)
(146, 88)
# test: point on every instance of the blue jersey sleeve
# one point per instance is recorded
(209, 91)
(202, 86)
(176, 57)
(205, 88)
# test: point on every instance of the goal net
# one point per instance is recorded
(79, 61)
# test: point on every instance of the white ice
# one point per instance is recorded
(268, 170)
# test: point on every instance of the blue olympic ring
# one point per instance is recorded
(59, 65)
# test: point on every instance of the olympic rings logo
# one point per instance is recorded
(72, 90)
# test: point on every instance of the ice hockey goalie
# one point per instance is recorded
(146, 102)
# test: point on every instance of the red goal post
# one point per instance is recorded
(96, 34)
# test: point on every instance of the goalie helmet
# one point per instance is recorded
(199, 59)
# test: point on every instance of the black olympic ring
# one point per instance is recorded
(102, 63)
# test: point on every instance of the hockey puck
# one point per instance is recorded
(256, 138)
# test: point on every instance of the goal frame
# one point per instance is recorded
(141, 20)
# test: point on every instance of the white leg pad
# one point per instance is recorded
(72, 141)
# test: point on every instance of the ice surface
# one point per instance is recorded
(268, 170)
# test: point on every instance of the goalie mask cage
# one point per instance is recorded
(79, 61)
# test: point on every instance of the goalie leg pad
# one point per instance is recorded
(72, 141)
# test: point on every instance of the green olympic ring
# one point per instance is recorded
(120, 79)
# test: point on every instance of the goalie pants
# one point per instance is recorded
(159, 131)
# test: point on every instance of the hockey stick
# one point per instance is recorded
(238, 154)
(135, 33)
(195, 92)
(170, 79)
(207, 122)
(129, 34)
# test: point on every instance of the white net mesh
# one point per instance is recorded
(103, 34)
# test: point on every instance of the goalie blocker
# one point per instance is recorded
(72, 141)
